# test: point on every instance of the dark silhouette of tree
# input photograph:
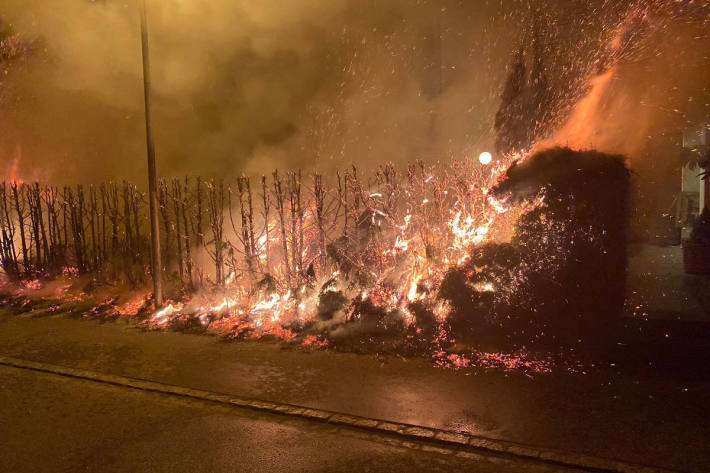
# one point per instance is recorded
(510, 132)
(539, 97)
(525, 109)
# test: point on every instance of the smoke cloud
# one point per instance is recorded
(238, 85)
(243, 86)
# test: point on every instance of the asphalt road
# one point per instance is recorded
(650, 418)
(50, 423)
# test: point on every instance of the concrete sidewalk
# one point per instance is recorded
(636, 418)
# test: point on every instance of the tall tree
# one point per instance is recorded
(526, 104)
(510, 120)
(539, 96)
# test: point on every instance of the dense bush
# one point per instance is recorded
(562, 277)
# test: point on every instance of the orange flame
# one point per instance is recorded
(13, 172)
(583, 125)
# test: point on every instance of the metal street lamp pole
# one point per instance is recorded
(155, 263)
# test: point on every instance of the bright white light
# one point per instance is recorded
(485, 158)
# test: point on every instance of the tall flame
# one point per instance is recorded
(586, 120)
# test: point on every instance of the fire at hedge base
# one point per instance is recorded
(525, 251)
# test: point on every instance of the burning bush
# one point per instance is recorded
(562, 276)
(481, 288)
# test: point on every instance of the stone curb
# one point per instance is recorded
(404, 431)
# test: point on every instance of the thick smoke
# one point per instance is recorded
(248, 86)
(243, 86)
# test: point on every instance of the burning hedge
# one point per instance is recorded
(416, 259)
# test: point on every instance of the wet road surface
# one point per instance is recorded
(50, 423)
(633, 417)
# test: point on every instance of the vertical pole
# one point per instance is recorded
(155, 263)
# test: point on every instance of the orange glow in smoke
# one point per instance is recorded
(586, 119)
(13, 171)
